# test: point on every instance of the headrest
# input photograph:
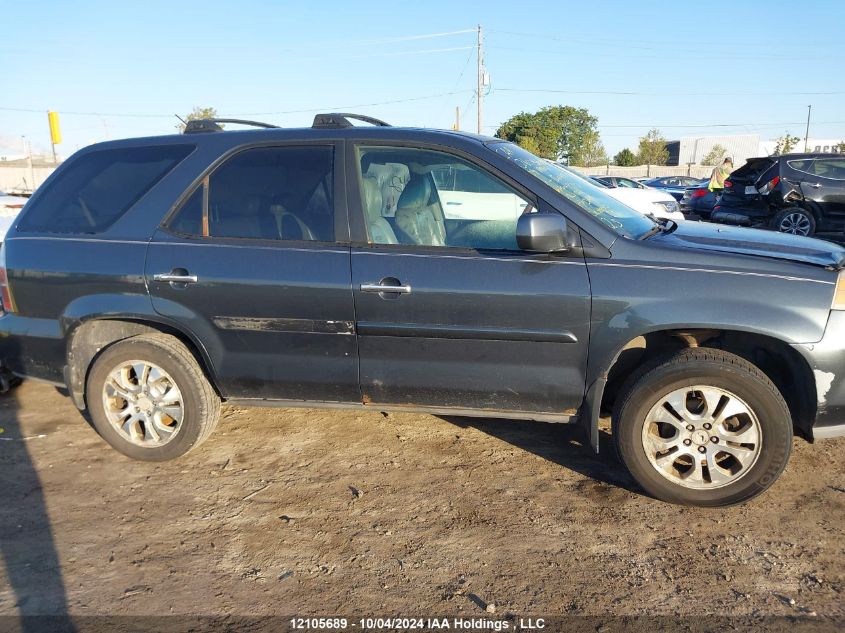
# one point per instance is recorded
(372, 197)
(416, 195)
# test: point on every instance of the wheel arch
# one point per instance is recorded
(784, 366)
(87, 338)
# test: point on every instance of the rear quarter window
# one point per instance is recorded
(96, 189)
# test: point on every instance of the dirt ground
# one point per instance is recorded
(319, 512)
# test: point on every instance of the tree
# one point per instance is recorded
(653, 149)
(200, 113)
(715, 156)
(592, 150)
(785, 144)
(625, 158)
(839, 147)
(554, 132)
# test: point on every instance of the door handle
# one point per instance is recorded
(815, 185)
(380, 288)
(175, 278)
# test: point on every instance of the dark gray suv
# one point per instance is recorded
(390, 268)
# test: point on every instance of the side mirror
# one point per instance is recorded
(544, 233)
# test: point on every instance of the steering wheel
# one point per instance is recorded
(281, 214)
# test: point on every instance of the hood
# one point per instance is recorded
(743, 241)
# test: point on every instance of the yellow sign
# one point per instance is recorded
(55, 132)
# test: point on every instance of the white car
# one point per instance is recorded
(646, 201)
(10, 207)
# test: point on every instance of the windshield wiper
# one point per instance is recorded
(661, 225)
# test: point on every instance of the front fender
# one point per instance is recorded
(629, 302)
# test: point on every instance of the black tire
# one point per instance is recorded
(200, 404)
(794, 217)
(722, 371)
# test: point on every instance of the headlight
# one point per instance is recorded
(839, 292)
(668, 207)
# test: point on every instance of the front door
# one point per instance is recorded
(255, 266)
(450, 313)
(827, 188)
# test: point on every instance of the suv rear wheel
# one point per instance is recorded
(794, 220)
(149, 398)
(703, 427)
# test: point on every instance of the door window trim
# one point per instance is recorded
(339, 202)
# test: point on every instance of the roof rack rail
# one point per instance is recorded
(198, 126)
(341, 119)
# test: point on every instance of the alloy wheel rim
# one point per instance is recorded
(702, 437)
(143, 403)
(795, 223)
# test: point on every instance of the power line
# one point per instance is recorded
(418, 52)
(703, 55)
(661, 43)
(674, 94)
(403, 38)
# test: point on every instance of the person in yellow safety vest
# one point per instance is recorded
(717, 178)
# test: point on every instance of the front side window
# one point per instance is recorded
(630, 184)
(94, 190)
(268, 193)
(436, 199)
(579, 190)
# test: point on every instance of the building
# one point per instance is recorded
(691, 150)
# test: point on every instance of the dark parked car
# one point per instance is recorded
(154, 278)
(674, 185)
(698, 201)
(618, 181)
(801, 194)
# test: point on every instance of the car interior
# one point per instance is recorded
(410, 178)
(266, 193)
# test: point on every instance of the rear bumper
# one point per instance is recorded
(827, 360)
(33, 348)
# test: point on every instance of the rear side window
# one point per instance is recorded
(804, 165)
(96, 189)
(268, 193)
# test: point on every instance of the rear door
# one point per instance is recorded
(826, 187)
(450, 313)
(255, 265)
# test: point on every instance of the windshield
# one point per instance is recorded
(580, 190)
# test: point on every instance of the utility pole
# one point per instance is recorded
(479, 95)
(457, 118)
(807, 133)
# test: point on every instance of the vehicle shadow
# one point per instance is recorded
(32, 567)
(563, 444)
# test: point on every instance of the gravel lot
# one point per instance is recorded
(315, 512)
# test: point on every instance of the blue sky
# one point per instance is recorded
(283, 61)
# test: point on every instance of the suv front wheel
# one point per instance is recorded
(149, 398)
(703, 427)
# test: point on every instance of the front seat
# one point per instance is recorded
(379, 228)
(416, 214)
